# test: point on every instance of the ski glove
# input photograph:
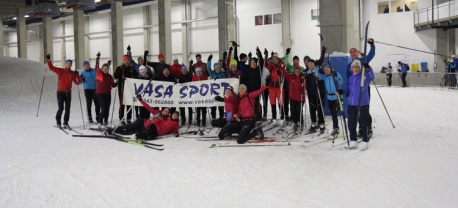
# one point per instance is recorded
(268, 80)
(210, 57)
(77, 73)
(266, 52)
(219, 98)
(128, 48)
(366, 65)
(191, 62)
(139, 97)
(288, 50)
(249, 55)
(98, 55)
(370, 41)
(339, 91)
(48, 57)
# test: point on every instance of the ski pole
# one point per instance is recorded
(373, 80)
(81, 106)
(114, 100)
(412, 49)
(41, 93)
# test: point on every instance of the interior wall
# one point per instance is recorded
(397, 29)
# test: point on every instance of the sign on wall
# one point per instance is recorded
(168, 94)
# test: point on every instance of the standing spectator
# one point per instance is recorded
(403, 70)
(122, 72)
(168, 77)
(201, 111)
(158, 67)
(145, 75)
(184, 77)
(104, 85)
(65, 77)
(215, 74)
(389, 73)
(253, 74)
(275, 93)
(175, 68)
(297, 95)
(88, 78)
(241, 63)
(315, 94)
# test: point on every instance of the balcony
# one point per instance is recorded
(442, 16)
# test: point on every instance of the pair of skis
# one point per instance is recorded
(125, 139)
(65, 129)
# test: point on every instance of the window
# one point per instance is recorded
(393, 6)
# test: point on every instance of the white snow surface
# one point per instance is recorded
(413, 165)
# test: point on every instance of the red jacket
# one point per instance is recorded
(168, 126)
(296, 86)
(201, 65)
(196, 78)
(175, 69)
(231, 105)
(104, 81)
(246, 104)
(65, 78)
(274, 73)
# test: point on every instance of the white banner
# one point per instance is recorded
(168, 94)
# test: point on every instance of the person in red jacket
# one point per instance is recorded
(175, 68)
(200, 76)
(245, 116)
(105, 83)
(275, 93)
(149, 129)
(201, 64)
(64, 89)
(230, 104)
(296, 94)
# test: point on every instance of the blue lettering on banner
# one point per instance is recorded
(182, 91)
(159, 94)
(169, 91)
(214, 87)
(194, 90)
(225, 85)
(204, 87)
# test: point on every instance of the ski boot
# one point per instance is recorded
(322, 128)
(335, 132)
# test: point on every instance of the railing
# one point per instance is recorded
(421, 79)
(442, 12)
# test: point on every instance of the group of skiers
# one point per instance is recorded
(273, 78)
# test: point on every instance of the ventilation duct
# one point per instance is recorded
(80, 4)
(46, 9)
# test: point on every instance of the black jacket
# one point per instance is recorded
(185, 78)
(123, 72)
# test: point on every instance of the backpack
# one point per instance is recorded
(407, 67)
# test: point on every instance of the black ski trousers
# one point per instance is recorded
(363, 121)
(243, 128)
(333, 107)
(63, 99)
(90, 97)
(104, 102)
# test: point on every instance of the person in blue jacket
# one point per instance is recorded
(88, 77)
(354, 54)
(353, 92)
(216, 73)
(332, 82)
(403, 71)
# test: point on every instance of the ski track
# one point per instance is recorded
(409, 166)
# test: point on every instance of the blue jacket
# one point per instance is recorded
(330, 85)
(89, 79)
(213, 74)
(369, 58)
(403, 68)
(354, 85)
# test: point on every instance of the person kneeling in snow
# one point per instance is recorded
(245, 116)
(353, 93)
(150, 129)
(231, 104)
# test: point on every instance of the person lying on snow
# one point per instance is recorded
(245, 116)
(149, 129)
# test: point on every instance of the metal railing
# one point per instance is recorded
(442, 12)
(420, 79)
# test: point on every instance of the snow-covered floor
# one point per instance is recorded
(413, 165)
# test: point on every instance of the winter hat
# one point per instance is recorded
(184, 67)
(306, 58)
(311, 60)
(233, 62)
(198, 69)
(216, 65)
(198, 55)
(142, 69)
(242, 56)
(243, 86)
(160, 55)
(230, 88)
(296, 58)
(356, 62)
(324, 66)
(69, 61)
(85, 62)
(176, 112)
(140, 58)
(125, 58)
